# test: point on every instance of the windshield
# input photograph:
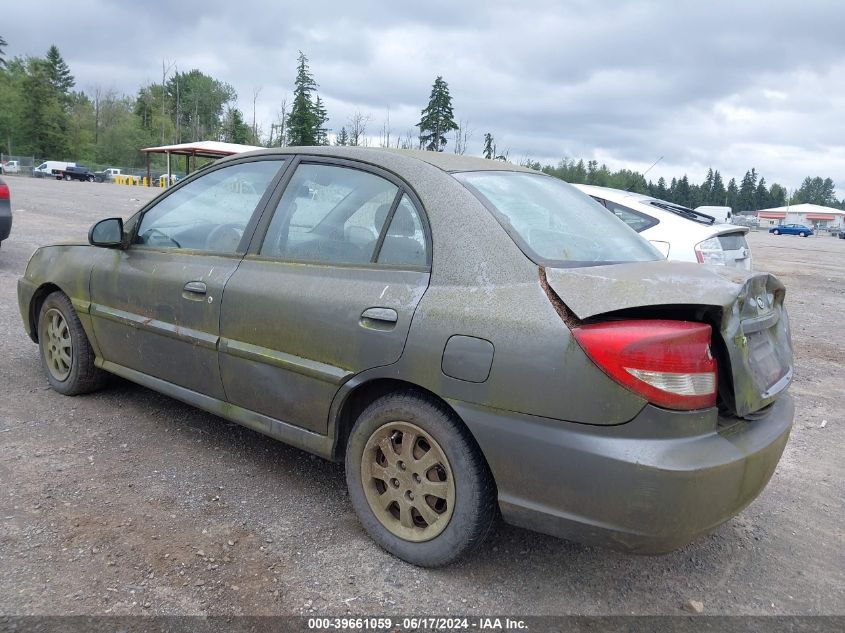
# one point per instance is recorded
(555, 224)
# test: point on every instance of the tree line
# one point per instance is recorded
(752, 193)
(41, 114)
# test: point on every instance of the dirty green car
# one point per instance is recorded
(471, 337)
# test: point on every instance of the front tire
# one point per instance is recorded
(802, 234)
(66, 354)
(776, 232)
(417, 480)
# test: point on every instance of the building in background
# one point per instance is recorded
(812, 215)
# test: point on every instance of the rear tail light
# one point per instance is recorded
(667, 362)
(4, 191)
(710, 251)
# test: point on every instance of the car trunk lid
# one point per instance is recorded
(746, 309)
(734, 245)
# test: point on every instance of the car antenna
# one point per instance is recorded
(645, 172)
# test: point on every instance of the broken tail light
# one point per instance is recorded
(669, 363)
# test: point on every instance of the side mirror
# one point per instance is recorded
(108, 233)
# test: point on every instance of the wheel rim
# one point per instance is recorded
(57, 344)
(408, 481)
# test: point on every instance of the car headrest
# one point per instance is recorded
(381, 215)
(403, 221)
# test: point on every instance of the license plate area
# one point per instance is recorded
(765, 362)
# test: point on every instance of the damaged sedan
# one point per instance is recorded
(471, 338)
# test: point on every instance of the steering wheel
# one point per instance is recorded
(224, 238)
(150, 232)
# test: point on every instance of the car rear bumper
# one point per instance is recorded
(5, 224)
(648, 486)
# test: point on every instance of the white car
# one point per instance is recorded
(678, 232)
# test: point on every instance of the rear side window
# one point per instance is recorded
(330, 214)
(404, 242)
(637, 221)
(554, 223)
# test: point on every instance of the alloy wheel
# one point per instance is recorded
(408, 481)
(57, 344)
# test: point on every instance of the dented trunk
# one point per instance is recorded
(754, 347)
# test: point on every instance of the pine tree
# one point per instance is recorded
(321, 134)
(718, 194)
(235, 129)
(777, 195)
(342, 137)
(45, 125)
(747, 188)
(303, 124)
(761, 195)
(489, 152)
(732, 195)
(59, 72)
(706, 189)
(661, 191)
(682, 192)
(437, 118)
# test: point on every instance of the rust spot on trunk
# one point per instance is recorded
(559, 306)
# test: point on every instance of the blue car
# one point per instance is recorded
(791, 229)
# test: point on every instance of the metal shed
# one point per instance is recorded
(201, 149)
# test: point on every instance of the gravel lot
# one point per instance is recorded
(128, 502)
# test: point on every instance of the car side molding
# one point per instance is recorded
(320, 445)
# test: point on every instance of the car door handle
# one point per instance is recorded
(379, 317)
(196, 287)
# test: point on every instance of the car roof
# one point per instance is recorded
(446, 161)
(614, 194)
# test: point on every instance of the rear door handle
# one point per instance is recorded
(196, 287)
(383, 315)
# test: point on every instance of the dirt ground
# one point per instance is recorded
(128, 502)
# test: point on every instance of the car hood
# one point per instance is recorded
(752, 321)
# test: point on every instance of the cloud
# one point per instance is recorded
(728, 85)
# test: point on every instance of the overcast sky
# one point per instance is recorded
(730, 85)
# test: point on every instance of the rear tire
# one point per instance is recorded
(776, 232)
(67, 177)
(417, 481)
(90, 178)
(66, 354)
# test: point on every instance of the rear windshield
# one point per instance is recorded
(555, 224)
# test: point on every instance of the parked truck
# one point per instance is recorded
(107, 174)
(10, 167)
(75, 173)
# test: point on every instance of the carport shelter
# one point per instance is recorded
(201, 149)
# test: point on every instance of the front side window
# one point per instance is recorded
(210, 213)
(329, 214)
(555, 224)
